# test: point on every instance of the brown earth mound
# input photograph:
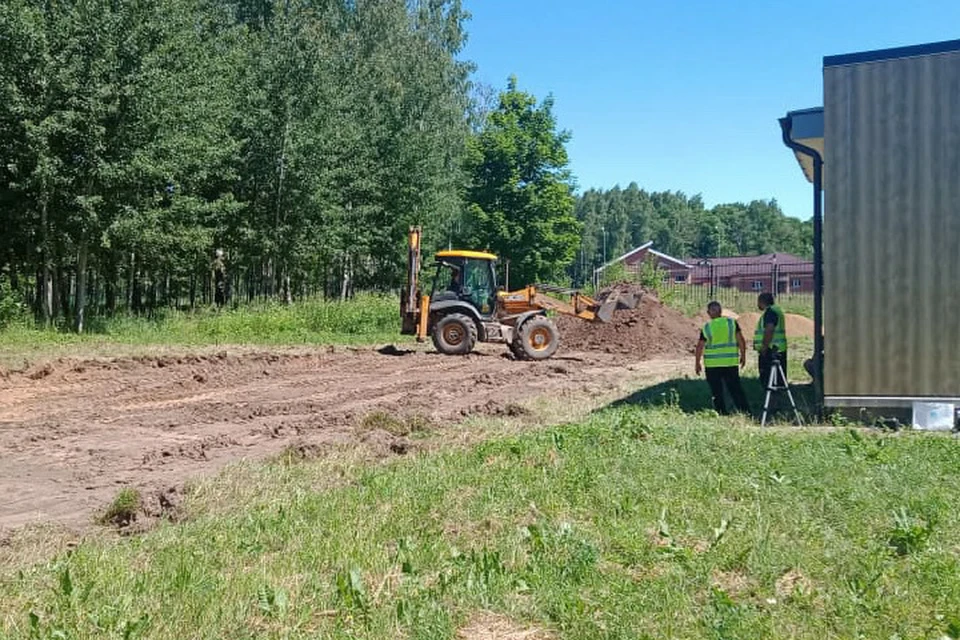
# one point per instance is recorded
(797, 326)
(748, 322)
(648, 331)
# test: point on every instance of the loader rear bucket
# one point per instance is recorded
(615, 302)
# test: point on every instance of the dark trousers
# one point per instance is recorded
(729, 377)
(766, 363)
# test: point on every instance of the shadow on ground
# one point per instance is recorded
(692, 395)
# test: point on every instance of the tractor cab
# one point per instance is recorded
(466, 277)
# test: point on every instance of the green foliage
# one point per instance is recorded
(953, 628)
(66, 583)
(272, 602)
(301, 138)
(520, 197)
(353, 592)
(123, 510)
(11, 309)
(651, 275)
(616, 272)
(734, 300)
(910, 533)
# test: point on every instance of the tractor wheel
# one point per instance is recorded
(517, 349)
(538, 339)
(455, 334)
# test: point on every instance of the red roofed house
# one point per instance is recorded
(753, 273)
(744, 273)
(634, 259)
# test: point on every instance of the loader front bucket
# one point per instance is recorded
(614, 302)
(605, 312)
(627, 301)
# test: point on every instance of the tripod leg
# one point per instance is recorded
(766, 403)
(796, 412)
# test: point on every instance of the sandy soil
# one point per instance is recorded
(72, 432)
(797, 326)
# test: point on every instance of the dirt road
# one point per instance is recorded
(73, 432)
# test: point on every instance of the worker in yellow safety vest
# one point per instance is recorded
(770, 337)
(722, 350)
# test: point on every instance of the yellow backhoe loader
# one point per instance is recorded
(464, 306)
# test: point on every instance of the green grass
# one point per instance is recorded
(691, 394)
(636, 523)
(123, 509)
(366, 319)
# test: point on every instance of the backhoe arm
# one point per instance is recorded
(580, 306)
(412, 306)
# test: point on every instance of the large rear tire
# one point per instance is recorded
(455, 334)
(538, 339)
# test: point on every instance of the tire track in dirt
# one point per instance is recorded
(73, 432)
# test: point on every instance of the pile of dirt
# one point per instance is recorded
(797, 326)
(649, 331)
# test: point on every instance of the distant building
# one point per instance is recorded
(634, 260)
(780, 273)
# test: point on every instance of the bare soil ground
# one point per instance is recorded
(73, 432)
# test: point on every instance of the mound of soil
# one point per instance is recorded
(797, 326)
(649, 331)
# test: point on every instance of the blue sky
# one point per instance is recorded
(685, 94)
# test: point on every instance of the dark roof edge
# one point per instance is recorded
(932, 48)
(800, 112)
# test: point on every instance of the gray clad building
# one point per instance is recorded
(883, 156)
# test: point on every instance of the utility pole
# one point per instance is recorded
(583, 267)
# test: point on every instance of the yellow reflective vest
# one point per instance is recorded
(779, 341)
(721, 348)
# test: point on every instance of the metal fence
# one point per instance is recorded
(736, 282)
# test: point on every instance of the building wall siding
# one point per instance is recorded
(892, 228)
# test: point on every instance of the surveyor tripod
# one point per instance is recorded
(777, 373)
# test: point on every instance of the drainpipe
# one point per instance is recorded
(786, 126)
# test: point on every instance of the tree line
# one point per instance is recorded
(301, 137)
(173, 153)
(614, 221)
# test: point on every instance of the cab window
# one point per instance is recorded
(479, 285)
(447, 281)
